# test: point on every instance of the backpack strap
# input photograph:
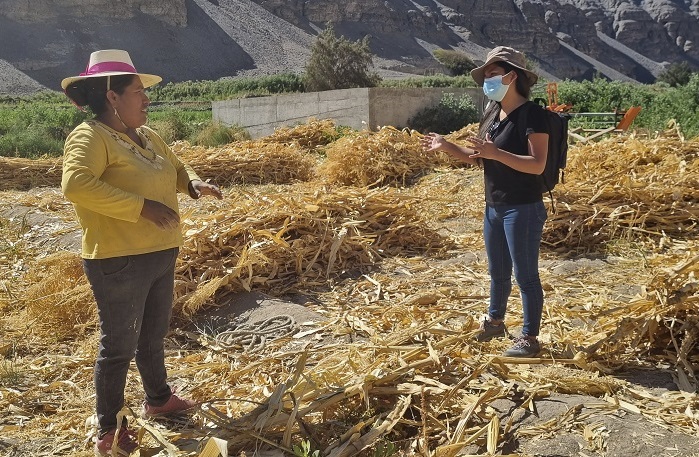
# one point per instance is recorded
(522, 128)
(521, 120)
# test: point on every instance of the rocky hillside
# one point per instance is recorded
(46, 40)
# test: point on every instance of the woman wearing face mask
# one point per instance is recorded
(514, 210)
(123, 180)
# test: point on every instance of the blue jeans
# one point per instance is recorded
(512, 238)
(134, 297)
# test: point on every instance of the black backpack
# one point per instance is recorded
(557, 157)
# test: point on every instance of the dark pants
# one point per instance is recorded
(134, 297)
(512, 236)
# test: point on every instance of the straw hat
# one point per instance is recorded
(504, 54)
(111, 62)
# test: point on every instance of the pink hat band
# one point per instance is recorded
(104, 67)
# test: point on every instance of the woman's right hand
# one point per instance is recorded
(433, 142)
(161, 215)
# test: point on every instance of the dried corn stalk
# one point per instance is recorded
(274, 241)
(310, 136)
(249, 162)
(59, 301)
(387, 157)
(402, 334)
(22, 174)
(627, 187)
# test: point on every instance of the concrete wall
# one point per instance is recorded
(365, 108)
(394, 106)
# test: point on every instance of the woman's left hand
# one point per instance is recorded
(485, 149)
(198, 188)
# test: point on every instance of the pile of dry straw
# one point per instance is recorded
(336, 222)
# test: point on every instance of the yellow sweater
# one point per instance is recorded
(107, 177)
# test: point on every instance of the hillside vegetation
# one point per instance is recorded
(36, 126)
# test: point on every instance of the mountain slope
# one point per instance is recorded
(46, 40)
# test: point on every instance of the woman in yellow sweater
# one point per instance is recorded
(123, 180)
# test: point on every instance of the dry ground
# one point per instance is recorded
(383, 347)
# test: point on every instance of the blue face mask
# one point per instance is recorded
(494, 89)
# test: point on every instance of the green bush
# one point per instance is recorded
(679, 103)
(36, 126)
(456, 62)
(677, 74)
(30, 143)
(601, 95)
(449, 115)
(226, 88)
(217, 134)
(430, 81)
(172, 125)
(337, 63)
(659, 103)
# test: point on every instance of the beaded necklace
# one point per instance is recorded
(154, 161)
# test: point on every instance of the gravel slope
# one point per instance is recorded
(229, 38)
(14, 82)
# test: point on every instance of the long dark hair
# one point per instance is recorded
(93, 91)
(491, 110)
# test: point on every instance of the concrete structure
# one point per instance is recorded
(365, 108)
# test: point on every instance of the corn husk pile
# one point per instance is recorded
(460, 136)
(311, 135)
(272, 241)
(20, 173)
(628, 187)
(660, 324)
(399, 276)
(419, 379)
(249, 162)
(59, 300)
(664, 323)
(387, 157)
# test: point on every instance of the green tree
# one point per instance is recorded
(338, 63)
(677, 74)
(456, 62)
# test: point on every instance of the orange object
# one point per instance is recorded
(628, 118)
(552, 94)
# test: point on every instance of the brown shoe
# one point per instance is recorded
(490, 330)
(173, 405)
(524, 347)
(125, 443)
